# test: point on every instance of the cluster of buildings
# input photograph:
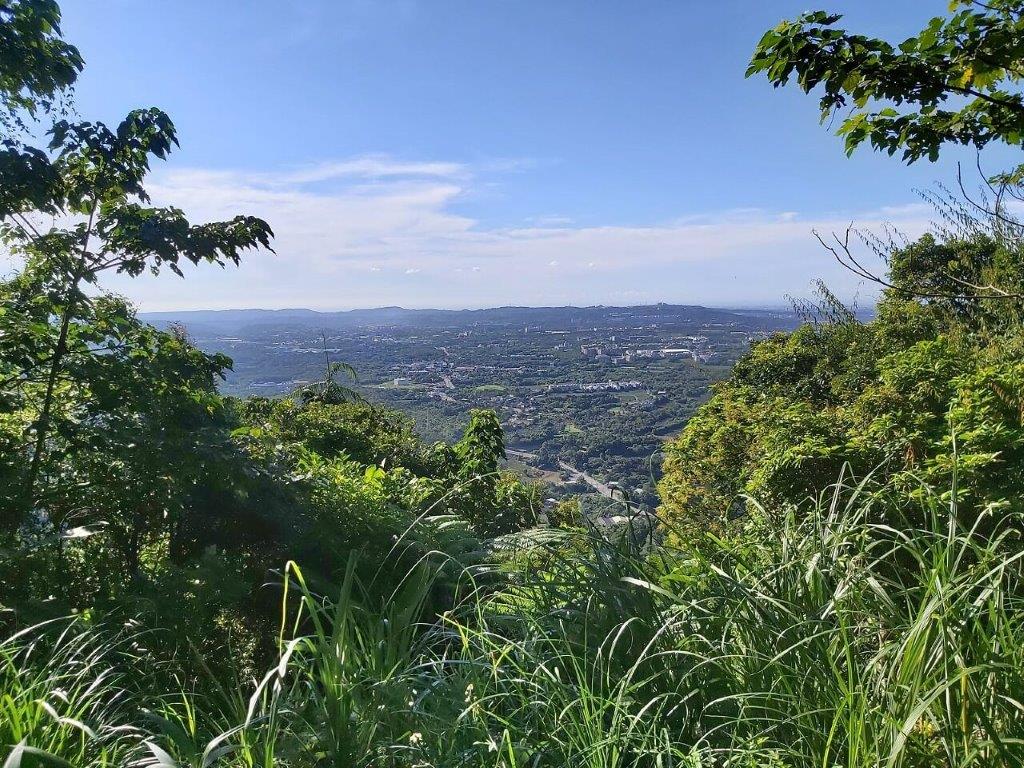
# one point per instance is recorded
(597, 386)
(699, 351)
(601, 354)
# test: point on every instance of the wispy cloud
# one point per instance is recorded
(347, 243)
(369, 167)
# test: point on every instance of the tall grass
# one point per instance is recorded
(854, 641)
(841, 638)
(63, 698)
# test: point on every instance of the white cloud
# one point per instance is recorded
(343, 245)
(550, 220)
(371, 167)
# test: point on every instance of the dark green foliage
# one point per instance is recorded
(566, 513)
(954, 82)
(927, 389)
(483, 444)
(56, 331)
(36, 64)
(366, 433)
(495, 503)
(379, 446)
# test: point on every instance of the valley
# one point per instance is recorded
(593, 390)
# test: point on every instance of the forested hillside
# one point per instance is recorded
(833, 576)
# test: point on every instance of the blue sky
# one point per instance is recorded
(485, 152)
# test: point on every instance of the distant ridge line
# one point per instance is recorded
(239, 321)
(283, 311)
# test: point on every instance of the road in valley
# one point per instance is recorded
(590, 480)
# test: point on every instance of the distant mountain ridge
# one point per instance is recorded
(235, 320)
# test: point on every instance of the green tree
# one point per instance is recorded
(566, 513)
(479, 454)
(37, 66)
(140, 470)
(517, 504)
(957, 81)
(330, 390)
(925, 391)
(96, 179)
(37, 69)
(482, 446)
(363, 432)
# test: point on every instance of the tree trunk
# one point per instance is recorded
(43, 422)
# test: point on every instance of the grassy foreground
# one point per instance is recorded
(840, 639)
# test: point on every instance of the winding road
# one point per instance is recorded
(590, 480)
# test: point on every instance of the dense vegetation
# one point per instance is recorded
(808, 647)
(195, 580)
(931, 389)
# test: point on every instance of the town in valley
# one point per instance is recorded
(587, 396)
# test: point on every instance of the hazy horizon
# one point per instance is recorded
(736, 307)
